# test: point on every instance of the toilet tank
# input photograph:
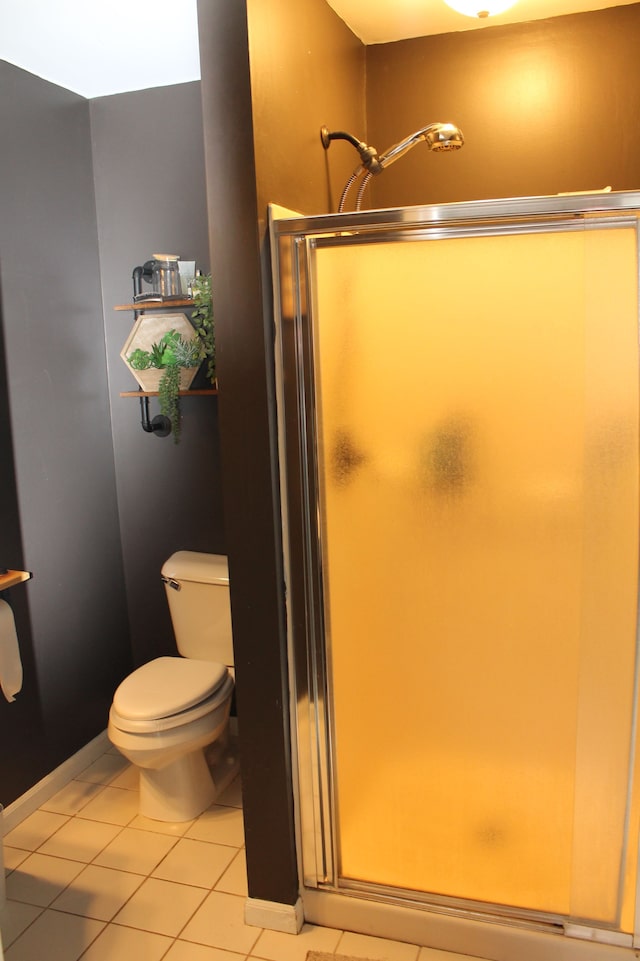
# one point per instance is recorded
(197, 588)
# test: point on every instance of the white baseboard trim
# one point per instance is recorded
(32, 799)
(274, 916)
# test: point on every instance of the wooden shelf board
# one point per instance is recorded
(157, 304)
(11, 578)
(183, 393)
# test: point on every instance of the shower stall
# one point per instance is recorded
(458, 403)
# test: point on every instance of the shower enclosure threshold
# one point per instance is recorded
(472, 933)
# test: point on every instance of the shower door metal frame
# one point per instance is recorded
(294, 241)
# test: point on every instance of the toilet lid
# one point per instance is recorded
(166, 686)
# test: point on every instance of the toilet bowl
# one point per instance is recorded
(169, 711)
(162, 717)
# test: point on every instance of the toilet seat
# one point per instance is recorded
(169, 692)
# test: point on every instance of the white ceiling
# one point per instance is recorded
(102, 47)
(383, 21)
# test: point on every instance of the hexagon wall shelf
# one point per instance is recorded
(148, 330)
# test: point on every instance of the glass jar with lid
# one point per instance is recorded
(165, 275)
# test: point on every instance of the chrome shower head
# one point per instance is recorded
(444, 136)
(437, 136)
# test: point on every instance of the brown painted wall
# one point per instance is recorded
(307, 69)
(545, 107)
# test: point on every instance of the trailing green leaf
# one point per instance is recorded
(202, 320)
(169, 397)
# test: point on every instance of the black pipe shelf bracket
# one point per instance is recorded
(159, 425)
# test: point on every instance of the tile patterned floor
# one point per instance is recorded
(88, 877)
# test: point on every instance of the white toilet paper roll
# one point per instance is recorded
(10, 663)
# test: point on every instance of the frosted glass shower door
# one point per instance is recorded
(477, 405)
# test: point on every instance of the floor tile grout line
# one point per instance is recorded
(118, 909)
(185, 925)
(79, 860)
(176, 938)
(144, 877)
(93, 940)
(112, 921)
(175, 839)
(77, 816)
(149, 876)
(103, 783)
(209, 888)
(43, 807)
(51, 905)
(80, 816)
(68, 818)
(234, 847)
(59, 910)
(168, 949)
(137, 873)
(8, 944)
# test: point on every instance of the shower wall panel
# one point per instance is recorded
(477, 408)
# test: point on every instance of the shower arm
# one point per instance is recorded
(368, 155)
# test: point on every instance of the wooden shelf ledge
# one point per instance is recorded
(157, 304)
(11, 578)
(208, 391)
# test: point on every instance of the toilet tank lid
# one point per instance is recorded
(197, 568)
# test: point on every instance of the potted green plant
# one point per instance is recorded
(202, 320)
(171, 354)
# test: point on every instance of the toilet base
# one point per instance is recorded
(189, 785)
(223, 762)
(178, 792)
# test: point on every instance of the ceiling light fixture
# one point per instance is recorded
(480, 8)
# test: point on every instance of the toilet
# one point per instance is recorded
(170, 717)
